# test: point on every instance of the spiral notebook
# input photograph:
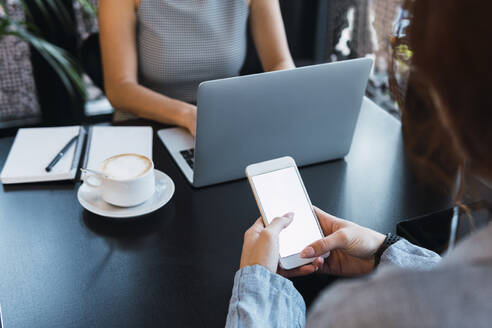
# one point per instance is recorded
(106, 141)
(34, 148)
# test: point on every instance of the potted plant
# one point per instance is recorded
(60, 60)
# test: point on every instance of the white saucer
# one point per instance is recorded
(91, 200)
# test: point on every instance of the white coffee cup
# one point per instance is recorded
(126, 180)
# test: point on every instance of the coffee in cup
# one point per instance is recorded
(126, 166)
(126, 180)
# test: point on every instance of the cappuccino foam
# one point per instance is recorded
(126, 166)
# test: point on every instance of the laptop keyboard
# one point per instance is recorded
(189, 156)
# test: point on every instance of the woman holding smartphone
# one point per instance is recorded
(408, 286)
(156, 52)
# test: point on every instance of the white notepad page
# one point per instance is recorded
(33, 149)
(107, 141)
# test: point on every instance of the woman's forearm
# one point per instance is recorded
(269, 35)
(117, 26)
(286, 64)
(134, 98)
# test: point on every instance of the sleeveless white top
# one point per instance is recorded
(182, 43)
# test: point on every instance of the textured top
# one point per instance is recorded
(184, 42)
(412, 287)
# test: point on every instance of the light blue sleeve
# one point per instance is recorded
(263, 299)
(406, 255)
(390, 297)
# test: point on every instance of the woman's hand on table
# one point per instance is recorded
(190, 118)
(351, 247)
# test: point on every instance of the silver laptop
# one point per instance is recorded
(308, 113)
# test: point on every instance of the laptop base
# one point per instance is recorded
(179, 144)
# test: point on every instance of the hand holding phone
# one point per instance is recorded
(351, 247)
(261, 243)
(261, 247)
(278, 189)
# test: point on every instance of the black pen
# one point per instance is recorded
(61, 153)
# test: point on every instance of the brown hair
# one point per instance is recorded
(447, 112)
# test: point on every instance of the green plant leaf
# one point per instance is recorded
(60, 12)
(88, 7)
(52, 11)
(60, 60)
(44, 11)
(3, 6)
(27, 12)
(3, 27)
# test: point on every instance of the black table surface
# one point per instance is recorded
(61, 266)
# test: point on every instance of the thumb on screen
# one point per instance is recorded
(280, 223)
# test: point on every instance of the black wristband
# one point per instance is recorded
(390, 240)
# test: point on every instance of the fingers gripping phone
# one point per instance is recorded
(278, 189)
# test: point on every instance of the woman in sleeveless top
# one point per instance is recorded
(156, 52)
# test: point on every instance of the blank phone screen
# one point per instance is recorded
(280, 192)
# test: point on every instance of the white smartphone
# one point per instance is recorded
(278, 189)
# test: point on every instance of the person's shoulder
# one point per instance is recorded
(477, 247)
(443, 297)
